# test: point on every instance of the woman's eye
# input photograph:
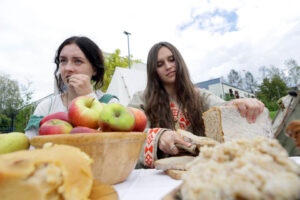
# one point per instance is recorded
(171, 59)
(62, 60)
(78, 61)
(159, 64)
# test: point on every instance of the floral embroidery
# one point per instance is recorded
(179, 118)
(149, 146)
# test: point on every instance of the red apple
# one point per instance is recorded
(116, 117)
(140, 119)
(82, 129)
(55, 126)
(58, 115)
(85, 111)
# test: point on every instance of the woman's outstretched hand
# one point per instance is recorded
(167, 142)
(248, 107)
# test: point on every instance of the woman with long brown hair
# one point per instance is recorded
(171, 101)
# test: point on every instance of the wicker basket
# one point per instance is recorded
(115, 154)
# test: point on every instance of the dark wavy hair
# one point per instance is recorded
(157, 106)
(91, 51)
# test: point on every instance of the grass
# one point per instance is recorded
(272, 114)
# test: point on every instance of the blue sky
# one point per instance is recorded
(220, 21)
(213, 36)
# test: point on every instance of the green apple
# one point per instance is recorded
(85, 111)
(55, 126)
(14, 141)
(116, 117)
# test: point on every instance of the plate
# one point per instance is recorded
(103, 191)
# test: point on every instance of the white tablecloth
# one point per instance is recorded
(152, 184)
(144, 184)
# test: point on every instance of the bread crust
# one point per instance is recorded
(224, 123)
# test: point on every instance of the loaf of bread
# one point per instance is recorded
(242, 169)
(225, 123)
(58, 172)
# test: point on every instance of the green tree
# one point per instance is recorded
(263, 72)
(4, 122)
(112, 61)
(294, 72)
(271, 90)
(234, 78)
(23, 116)
(250, 82)
(274, 71)
(12, 97)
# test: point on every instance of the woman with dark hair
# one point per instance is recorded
(171, 101)
(79, 71)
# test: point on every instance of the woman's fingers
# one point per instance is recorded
(80, 83)
(242, 108)
(168, 140)
(179, 140)
(173, 150)
(249, 108)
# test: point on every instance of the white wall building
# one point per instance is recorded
(219, 88)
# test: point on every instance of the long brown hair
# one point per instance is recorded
(157, 106)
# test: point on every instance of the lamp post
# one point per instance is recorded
(127, 33)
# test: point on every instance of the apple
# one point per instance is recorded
(82, 129)
(140, 119)
(14, 141)
(58, 115)
(116, 117)
(55, 126)
(85, 111)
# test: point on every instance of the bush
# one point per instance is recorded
(272, 106)
(4, 123)
(272, 114)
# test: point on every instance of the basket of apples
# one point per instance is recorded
(111, 134)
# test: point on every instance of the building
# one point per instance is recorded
(222, 89)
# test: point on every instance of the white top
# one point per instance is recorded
(54, 104)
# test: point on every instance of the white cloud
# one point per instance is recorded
(30, 31)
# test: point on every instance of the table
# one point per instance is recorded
(146, 184)
(150, 184)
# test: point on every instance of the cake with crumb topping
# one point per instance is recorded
(243, 169)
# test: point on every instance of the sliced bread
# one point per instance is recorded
(194, 139)
(225, 123)
(178, 162)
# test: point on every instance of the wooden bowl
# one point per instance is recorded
(115, 154)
